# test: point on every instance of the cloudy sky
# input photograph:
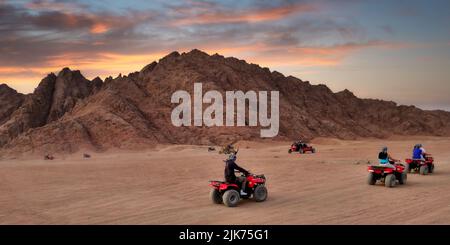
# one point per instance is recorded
(395, 50)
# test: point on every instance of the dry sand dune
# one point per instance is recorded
(169, 185)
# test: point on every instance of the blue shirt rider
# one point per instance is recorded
(418, 153)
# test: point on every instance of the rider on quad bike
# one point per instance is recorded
(233, 189)
(418, 153)
(421, 161)
(301, 147)
(385, 158)
(230, 167)
(389, 171)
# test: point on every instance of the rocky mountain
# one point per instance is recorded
(10, 100)
(67, 112)
(54, 96)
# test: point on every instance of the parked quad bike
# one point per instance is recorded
(230, 193)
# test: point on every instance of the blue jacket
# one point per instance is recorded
(417, 153)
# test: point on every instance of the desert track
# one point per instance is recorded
(169, 185)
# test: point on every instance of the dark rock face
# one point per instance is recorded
(32, 113)
(52, 99)
(10, 100)
(68, 112)
(69, 87)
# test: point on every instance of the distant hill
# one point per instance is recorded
(67, 112)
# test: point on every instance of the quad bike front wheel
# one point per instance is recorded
(231, 198)
(260, 193)
(313, 150)
(423, 170)
(215, 196)
(389, 181)
(371, 179)
(290, 151)
(431, 169)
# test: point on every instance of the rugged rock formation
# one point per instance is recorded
(10, 100)
(52, 99)
(67, 112)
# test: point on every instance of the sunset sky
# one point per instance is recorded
(394, 50)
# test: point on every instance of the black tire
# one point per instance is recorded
(313, 150)
(431, 169)
(231, 198)
(215, 196)
(403, 178)
(371, 179)
(389, 180)
(423, 170)
(260, 193)
(290, 151)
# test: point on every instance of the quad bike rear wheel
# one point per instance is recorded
(231, 198)
(407, 168)
(215, 196)
(423, 170)
(371, 179)
(389, 180)
(403, 178)
(260, 193)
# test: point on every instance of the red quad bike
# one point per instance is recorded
(230, 194)
(422, 167)
(387, 175)
(303, 148)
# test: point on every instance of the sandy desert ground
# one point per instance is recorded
(169, 185)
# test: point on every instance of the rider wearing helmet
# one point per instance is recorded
(385, 158)
(418, 153)
(230, 167)
(424, 153)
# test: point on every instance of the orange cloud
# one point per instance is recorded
(115, 63)
(45, 5)
(267, 55)
(99, 28)
(25, 79)
(23, 71)
(245, 16)
(111, 64)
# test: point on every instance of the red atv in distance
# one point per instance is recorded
(230, 194)
(420, 166)
(388, 175)
(301, 148)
